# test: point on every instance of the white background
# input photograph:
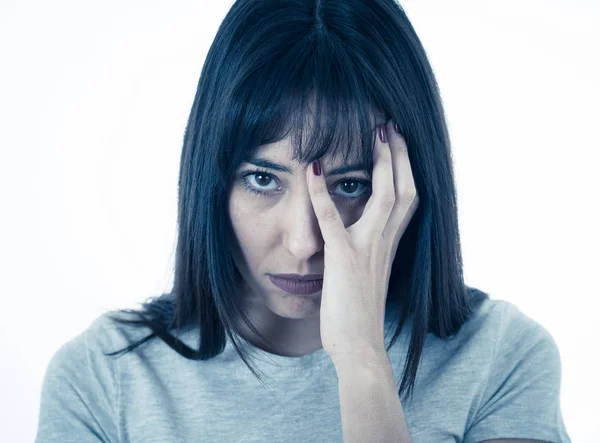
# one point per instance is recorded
(94, 98)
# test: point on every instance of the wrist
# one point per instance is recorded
(360, 362)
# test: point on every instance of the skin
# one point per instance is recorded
(279, 233)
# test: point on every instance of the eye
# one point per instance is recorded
(262, 183)
(349, 186)
(257, 182)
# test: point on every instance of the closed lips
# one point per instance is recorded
(310, 277)
(297, 286)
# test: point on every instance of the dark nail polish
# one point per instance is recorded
(382, 133)
(316, 167)
(396, 128)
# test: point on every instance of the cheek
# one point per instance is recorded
(253, 228)
(256, 240)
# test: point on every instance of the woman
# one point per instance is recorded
(316, 146)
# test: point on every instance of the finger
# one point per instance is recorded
(404, 185)
(380, 205)
(331, 224)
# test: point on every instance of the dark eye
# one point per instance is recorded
(349, 186)
(348, 189)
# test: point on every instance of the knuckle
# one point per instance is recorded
(388, 200)
(409, 196)
(321, 192)
(329, 213)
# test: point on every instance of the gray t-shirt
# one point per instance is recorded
(499, 378)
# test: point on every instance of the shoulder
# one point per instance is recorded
(93, 338)
(524, 364)
(85, 353)
(504, 323)
(499, 337)
(520, 396)
(80, 390)
(519, 335)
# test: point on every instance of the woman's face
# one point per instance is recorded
(276, 228)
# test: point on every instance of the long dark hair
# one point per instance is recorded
(274, 67)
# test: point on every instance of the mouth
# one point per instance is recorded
(304, 285)
(306, 277)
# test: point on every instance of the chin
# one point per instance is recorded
(297, 308)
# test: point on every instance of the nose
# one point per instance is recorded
(302, 235)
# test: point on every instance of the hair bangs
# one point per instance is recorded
(315, 95)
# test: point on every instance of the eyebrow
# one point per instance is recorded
(264, 163)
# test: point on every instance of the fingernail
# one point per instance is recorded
(382, 133)
(316, 167)
(396, 128)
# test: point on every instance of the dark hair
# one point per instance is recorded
(275, 66)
